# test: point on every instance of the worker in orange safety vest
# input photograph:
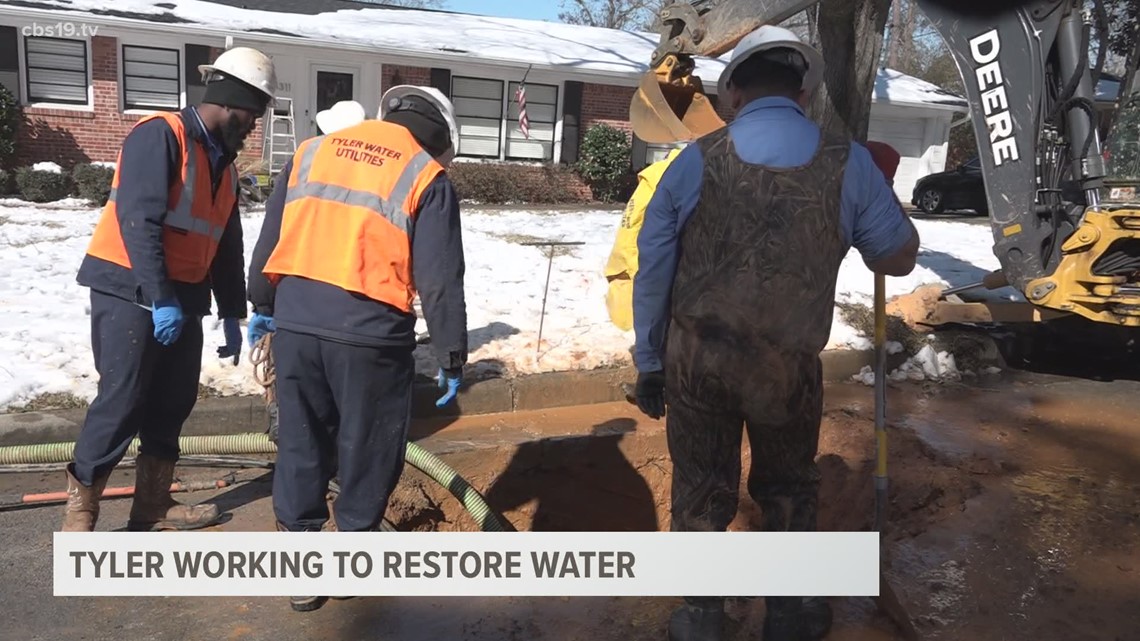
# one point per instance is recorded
(360, 220)
(169, 237)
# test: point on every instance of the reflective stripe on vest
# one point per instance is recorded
(195, 217)
(182, 216)
(391, 209)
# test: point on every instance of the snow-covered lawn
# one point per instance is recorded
(45, 324)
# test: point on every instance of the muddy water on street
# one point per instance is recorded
(1014, 514)
(1014, 506)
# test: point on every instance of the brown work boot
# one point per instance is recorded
(153, 507)
(82, 510)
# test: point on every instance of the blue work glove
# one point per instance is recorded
(233, 340)
(449, 380)
(259, 325)
(167, 316)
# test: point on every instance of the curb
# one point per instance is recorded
(243, 414)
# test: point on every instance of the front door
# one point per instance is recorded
(331, 84)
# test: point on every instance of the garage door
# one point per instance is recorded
(906, 136)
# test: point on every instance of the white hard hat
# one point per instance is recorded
(772, 37)
(248, 65)
(432, 95)
(343, 114)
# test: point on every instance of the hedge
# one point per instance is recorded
(93, 182)
(501, 183)
(11, 115)
(604, 163)
(39, 186)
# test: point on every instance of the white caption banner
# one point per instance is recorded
(466, 563)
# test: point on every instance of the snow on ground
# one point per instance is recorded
(952, 253)
(48, 166)
(45, 325)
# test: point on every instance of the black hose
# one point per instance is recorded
(1089, 108)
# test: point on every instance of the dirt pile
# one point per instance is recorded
(916, 307)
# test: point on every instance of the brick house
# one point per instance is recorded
(85, 74)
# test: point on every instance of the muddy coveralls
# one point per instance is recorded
(752, 305)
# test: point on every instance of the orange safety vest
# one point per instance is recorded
(194, 219)
(349, 210)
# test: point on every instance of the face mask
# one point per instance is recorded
(234, 132)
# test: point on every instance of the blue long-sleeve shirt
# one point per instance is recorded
(768, 131)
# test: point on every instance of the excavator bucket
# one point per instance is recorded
(670, 105)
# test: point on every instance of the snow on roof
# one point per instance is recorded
(451, 35)
(895, 86)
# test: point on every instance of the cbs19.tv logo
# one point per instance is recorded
(62, 29)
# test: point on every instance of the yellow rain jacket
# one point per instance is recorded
(622, 264)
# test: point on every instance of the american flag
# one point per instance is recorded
(524, 122)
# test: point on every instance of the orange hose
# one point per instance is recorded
(126, 491)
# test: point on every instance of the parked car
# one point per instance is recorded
(961, 188)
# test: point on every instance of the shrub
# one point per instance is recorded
(5, 182)
(41, 186)
(11, 115)
(605, 162)
(93, 182)
(501, 183)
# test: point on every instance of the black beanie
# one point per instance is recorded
(431, 131)
(231, 92)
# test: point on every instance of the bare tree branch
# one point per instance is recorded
(627, 15)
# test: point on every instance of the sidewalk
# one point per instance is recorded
(244, 414)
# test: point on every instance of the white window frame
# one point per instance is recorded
(25, 84)
(179, 50)
(506, 78)
(500, 142)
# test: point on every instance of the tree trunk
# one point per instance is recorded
(897, 34)
(851, 33)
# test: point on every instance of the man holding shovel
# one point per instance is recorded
(734, 299)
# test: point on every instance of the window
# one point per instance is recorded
(10, 60)
(541, 114)
(150, 78)
(57, 70)
(479, 113)
(195, 86)
(655, 152)
(487, 109)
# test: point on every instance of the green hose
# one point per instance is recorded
(254, 443)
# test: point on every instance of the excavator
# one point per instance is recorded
(1065, 232)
